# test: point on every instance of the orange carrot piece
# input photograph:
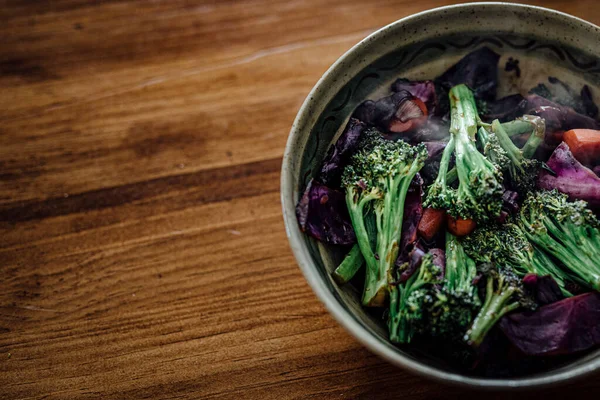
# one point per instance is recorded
(431, 222)
(460, 227)
(584, 144)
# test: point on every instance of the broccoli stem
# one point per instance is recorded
(512, 151)
(460, 268)
(451, 176)
(575, 251)
(522, 125)
(537, 136)
(463, 112)
(399, 325)
(349, 266)
(389, 231)
(525, 124)
(496, 305)
(356, 211)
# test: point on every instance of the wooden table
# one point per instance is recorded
(143, 252)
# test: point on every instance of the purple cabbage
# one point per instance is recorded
(568, 326)
(478, 70)
(322, 214)
(409, 250)
(570, 177)
(411, 262)
(435, 149)
(510, 202)
(544, 289)
(422, 90)
(558, 118)
(505, 109)
(397, 113)
(338, 155)
(561, 93)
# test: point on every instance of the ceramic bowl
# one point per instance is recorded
(546, 43)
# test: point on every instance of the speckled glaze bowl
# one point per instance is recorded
(546, 43)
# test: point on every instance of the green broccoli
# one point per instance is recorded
(568, 231)
(507, 244)
(479, 192)
(522, 171)
(377, 180)
(450, 310)
(408, 299)
(504, 293)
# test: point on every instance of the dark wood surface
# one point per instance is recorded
(142, 250)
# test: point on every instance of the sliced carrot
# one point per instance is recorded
(431, 222)
(584, 144)
(459, 226)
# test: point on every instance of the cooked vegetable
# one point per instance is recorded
(505, 109)
(413, 211)
(479, 192)
(378, 178)
(431, 223)
(500, 149)
(349, 266)
(584, 144)
(504, 293)
(422, 90)
(566, 230)
(518, 253)
(449, 310)
(570, 177)
(407, 300)
(544, 289)
(561, 93)
(564, 327)
(507, 245)
(459, 226)
(400, 112)
(478, 70)
(558, 118)
(322, 214)
(338, 155)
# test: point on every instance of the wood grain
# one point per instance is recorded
(143, 253)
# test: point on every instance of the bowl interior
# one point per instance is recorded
(355, 79)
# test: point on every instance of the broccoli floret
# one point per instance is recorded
(500, 149)
(408, 300)
(450, 310)
(479, 192)
(569, 231)
(377, 180)
(491, 148)
(507, 244)
(504, 293)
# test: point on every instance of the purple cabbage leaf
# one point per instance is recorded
(544, 289)
(564, 327)
(478, 70)
(422, 90)
(339, 154)
(398, 113)
(505, 109)
(570, 177)
(322, 214)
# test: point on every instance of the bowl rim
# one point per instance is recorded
(343, 316)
